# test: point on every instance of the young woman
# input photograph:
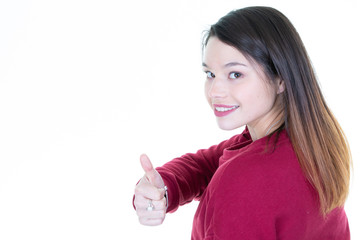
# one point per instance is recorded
(286, 176)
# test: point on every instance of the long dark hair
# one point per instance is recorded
(266, 36)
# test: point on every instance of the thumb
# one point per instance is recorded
(152, 175)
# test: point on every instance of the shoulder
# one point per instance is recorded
(262, 188)
(273, 172)
(260, 162)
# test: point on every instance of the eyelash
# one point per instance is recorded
(210, 75)
(239, 75)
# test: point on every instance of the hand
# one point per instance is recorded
(150, 192)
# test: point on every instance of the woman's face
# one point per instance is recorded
(238, 90)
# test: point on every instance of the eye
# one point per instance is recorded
(235, 75)
(210, 75)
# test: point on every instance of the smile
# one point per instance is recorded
(223, 110)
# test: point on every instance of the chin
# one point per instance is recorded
(229, 126)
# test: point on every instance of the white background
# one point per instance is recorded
(87, 86)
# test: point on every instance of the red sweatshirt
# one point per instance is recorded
(248, 193)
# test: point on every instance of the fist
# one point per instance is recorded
(150, 201)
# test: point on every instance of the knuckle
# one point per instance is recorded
(158, 195)
(158, 222)
(142, 221)
(137, 190)
(163, 202)
(138, 213)
(137, 203)
(162, 214)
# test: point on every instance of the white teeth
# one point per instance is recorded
(223, 109)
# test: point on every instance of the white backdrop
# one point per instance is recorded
(87, 86)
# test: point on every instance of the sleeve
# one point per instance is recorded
(187, 177)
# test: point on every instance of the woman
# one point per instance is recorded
(286, 176)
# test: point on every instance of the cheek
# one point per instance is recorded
(206, 91)
(264, 101)
(255, 99)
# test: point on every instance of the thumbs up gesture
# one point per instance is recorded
(150, 201)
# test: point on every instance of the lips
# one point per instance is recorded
(221, 110)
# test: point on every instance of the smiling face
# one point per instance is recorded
(238, 90)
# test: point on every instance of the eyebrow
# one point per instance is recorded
(230, 64)
(204, 65)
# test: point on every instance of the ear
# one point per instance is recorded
(280, 86)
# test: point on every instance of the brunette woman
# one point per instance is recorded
(286, 176)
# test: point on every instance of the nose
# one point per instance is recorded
(216, 89)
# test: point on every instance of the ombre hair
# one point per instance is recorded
(266, 36)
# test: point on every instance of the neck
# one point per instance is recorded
(257, 134)
(268, 131)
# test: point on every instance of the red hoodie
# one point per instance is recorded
(248, 192)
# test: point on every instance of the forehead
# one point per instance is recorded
(218, 52)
